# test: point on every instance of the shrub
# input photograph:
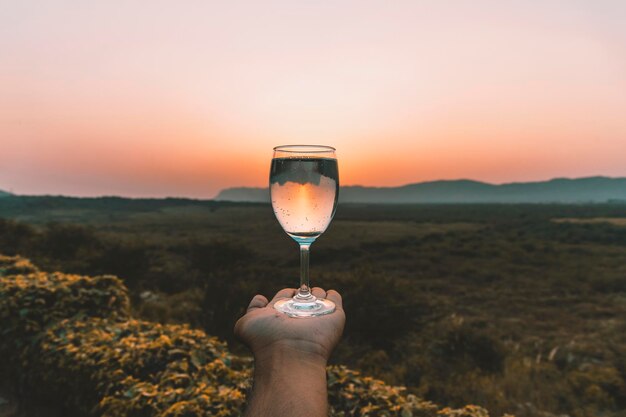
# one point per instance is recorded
(16, 237)
(208, 257)
(31, 300)
(137, 368)
(65, 241)
(14, 265)
(77, 348)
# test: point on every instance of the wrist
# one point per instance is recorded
(287, 355)
(287, 379)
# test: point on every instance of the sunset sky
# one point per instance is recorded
(164, 98)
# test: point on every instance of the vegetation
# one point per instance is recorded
(517, 308)
(73, 344)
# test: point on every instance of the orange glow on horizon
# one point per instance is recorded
(156, 99)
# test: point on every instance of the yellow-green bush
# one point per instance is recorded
(139, 368)
(10, 265)
(31, 300)
(72, 341)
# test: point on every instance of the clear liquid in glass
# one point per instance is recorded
(304, 194)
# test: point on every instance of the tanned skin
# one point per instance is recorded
(290, 356)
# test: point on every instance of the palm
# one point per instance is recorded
(263, 327)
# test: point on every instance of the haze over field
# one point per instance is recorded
(167, 99)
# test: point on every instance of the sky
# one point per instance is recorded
(161, 98)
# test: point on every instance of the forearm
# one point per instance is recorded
(288, 383)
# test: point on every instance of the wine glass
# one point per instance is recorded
(304, 186)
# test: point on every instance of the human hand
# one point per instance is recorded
(290, 356)
(269, 333)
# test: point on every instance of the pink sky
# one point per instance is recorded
(161, 98)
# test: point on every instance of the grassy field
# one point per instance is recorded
(519, 308)
(617, 221)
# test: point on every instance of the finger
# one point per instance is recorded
(335, 297)
(284, 293)
(319, 292)
(258, 301)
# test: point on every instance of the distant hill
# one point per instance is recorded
(558, 190)
(252, 194)
(4, 194)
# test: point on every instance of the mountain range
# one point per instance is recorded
(558, 190)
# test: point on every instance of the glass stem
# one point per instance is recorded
(304, 292)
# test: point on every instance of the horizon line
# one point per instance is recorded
(11, 193)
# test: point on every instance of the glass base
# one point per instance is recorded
(299, 309)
